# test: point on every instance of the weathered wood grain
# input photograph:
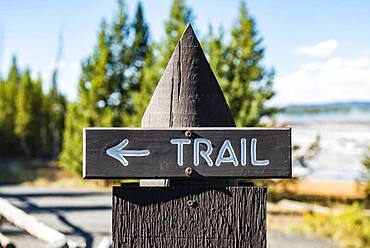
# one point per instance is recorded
(163, 217)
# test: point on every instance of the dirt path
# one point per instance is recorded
(85, 216)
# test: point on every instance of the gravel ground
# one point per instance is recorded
(85, 216)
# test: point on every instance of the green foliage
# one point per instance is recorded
(25, 120)
(140, 46)
(148, 82)
(112, 73)
(28, 115)
(25, 117)
(351, 227)
(94, 86)
(117, 82)
(146, 73)
(180, 16)
(246, 83)
(37, 120)
(54, 109)
(217, 53)
(119, 77)
(91, 109)
(71, 157)
(157, 57)
(109, 81)
(8, 91)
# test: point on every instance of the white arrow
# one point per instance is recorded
(119, 154)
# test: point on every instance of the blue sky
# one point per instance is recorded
(319, 49)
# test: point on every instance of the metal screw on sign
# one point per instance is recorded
(188, 133)
(188, 171)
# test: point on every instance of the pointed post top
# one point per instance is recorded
(188, 28)
(188, 94)
(188, 37)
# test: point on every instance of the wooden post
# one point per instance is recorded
(191, 212)
(187, 95)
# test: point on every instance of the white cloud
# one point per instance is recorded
(322, 49)
(336, 79)
(312, 66)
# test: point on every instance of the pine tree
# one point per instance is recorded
(217, 54)
(96, 85)
(180, 16)
(157, 56)
(37, 120)
(88, 111)
(140, 46)
(146, 73)
(246, 83)
(251, 83)
(91, 109)
(129, 48)
(22, 121)
(4, 125)
(54, 109)
(71, 156)
(148, 81)
(8, 92)
(110, 77)
(118, 50)
(24, 108)
(29, 115)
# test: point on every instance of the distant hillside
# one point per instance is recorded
(329, 107)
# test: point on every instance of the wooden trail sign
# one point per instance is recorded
(187, 152)
(188, 132)
(171, 145)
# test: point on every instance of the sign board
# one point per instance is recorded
(187, 152)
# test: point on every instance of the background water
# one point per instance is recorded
(344, 138)
(350, 116)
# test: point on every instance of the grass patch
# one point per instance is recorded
(350, 228)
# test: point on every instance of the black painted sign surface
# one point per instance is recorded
(187, 152)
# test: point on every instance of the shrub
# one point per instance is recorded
(351, 228)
